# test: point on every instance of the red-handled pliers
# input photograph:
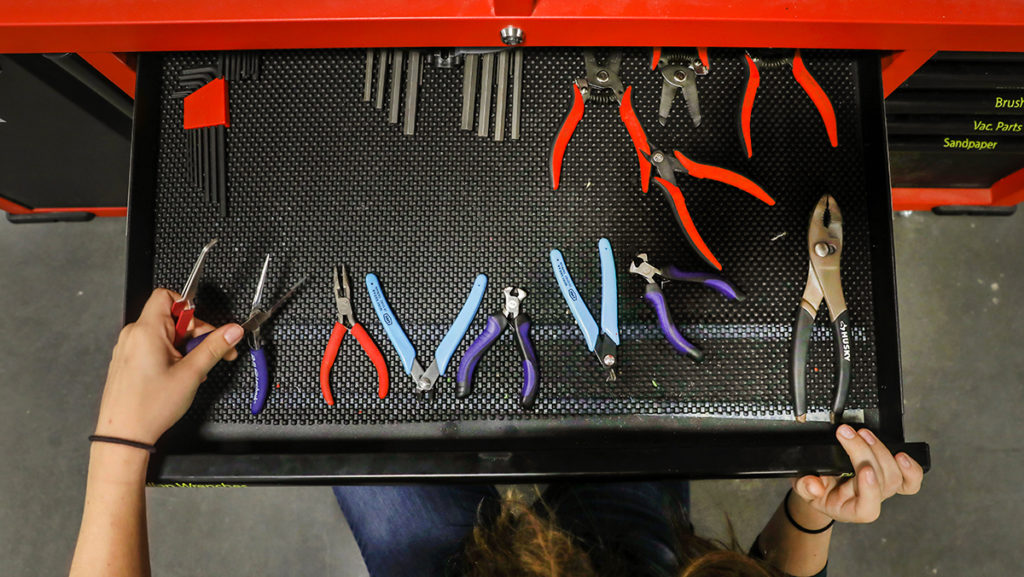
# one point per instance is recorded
(183, 309)
(667, 167)
(758, 64)
(347, 323)
(601, 84)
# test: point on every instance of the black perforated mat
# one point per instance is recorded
(317, 178)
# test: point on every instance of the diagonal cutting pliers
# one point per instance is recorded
(601, 84)
(254, 337)
(425, 380)
(520, 322)
(667, 166)
(763, 62)
(183, 309)
(603, 343)
(346, 323)
(825, 245)
(657, 278)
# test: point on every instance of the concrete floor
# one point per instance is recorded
(61, 291)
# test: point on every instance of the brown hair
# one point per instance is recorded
(520, 542)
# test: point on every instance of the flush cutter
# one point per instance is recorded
(425, 380)
(825, 245)
(773, 61)
(184, 308)
(346, 323)
(254, 337)
(602, 344)
(601, 84)
(657, 278)
(668, 165)
(520, 321)
(679, 72)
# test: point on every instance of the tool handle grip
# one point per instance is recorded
(639, 137)
(609, 291)
(675, 199)
(371, 350)
(194, 342)
(818, 97)
(656, 298)
(720, 284)
(747, 104)
(572, 118)
(531, 369)
(586, 322)
(482, 343)
(396, 335)
(262, 375)
(798, 368)
(698, 170)
(453, 337)
(185, 315)
(330, 354)
(843, 341)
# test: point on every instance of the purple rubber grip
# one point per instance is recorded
(193, 343)
(259, 366)
(530, 372)
(718, 283)
(464, 377)
(668, 327)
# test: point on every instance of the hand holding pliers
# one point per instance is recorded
(520, 322)
(346, 323)
(183, 309)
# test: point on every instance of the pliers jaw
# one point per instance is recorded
(640, 266)
(513, 298)
(601, 77)
(605, 350)
(679, 74)
(342, 297)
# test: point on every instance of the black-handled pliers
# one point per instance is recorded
(825, 245)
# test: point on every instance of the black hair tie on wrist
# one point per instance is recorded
(117, 441)
(798, 526)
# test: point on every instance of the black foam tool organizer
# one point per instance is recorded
(318, 179)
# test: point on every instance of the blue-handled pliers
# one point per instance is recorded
(254, 338)
(425, 379)
(602, 344)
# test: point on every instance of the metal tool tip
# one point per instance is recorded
(801, 418)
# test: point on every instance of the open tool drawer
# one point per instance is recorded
(317, 177)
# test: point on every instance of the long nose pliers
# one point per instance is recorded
(425, 380)
(346, 323)
(520, 322)
(825, 245)
(601, 84)
(183, 309)
(603, 343)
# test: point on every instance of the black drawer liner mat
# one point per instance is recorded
(318, 178)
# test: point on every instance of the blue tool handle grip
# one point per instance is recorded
(654, 296)
(387, 318)
(586, 322)
(531, 371)
(259, 367)
(464, 377)
(451, 340)
(720, 284)
(194, 342)
(609, 292)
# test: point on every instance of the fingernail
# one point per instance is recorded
(233, 334)
(869, 476)
(904, 461)
(867, 436)
(847, 432)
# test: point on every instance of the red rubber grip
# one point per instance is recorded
(747, 106)
(636, 132)
(374, 353)
(698, 170)
(565, 134)
(655, 57)
(181, 326)
(330, 353)
(702, 53)
(675, 197)
(818, 97)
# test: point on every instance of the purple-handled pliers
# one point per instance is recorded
(656, 298)
(510, 315)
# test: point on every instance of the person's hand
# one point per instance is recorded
(879, 475)
(150, 384)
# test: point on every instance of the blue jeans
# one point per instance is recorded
(418, 529)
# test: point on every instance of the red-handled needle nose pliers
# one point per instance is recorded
(667, 166)
(601, 84)
(347, 323)
(183, 309)
(758, 64)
